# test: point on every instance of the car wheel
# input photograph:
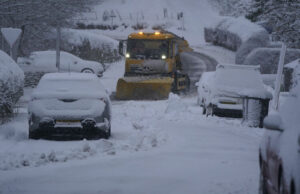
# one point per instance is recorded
(262, 183)
(87, 70)
(203, 110)
(209, 110)
(281, 185)
(33, 135)
(107, 134)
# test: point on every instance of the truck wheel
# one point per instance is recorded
(33, 135)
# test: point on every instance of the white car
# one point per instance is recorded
(221, 92)
(45, 61)
(74, 105)
(279, 153)
(203, 88)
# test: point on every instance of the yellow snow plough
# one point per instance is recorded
(153, 67)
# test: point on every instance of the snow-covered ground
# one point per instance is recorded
(164, 146)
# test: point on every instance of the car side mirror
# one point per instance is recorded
(273, 122)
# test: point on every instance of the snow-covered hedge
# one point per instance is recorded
(268, 58)
(90, 45)
(257, 40)
(232, 32)
(11, 84)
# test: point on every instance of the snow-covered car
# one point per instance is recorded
(279, 153)
(203, 88)
(45, 61)
(69, 105)
(221, 92)
(11, 83)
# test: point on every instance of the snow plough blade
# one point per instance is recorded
(143, 88)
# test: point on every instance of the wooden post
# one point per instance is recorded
(58, 35)
(279, 76)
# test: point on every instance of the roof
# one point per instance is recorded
(70, 76)
(151, 36)
(293, 64)
(234, 66)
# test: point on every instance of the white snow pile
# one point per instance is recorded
(45, 61)
(11, 83)
(175, 104)
(232, 32)
(268, 58)
(96, 40)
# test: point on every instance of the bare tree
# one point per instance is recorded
(38, 18)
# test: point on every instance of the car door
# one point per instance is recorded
(273, 159)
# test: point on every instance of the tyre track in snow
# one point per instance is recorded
(194, 64)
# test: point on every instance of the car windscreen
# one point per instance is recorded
(147, 49)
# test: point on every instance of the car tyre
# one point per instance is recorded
(33, 135)
(87, 70)
(209, 110)
(281, 185)
(107, 134)
(203, 110)
(262, 183)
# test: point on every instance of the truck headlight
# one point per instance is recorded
(163, 57)
(127, 55)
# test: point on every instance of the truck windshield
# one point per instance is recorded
(148, 49)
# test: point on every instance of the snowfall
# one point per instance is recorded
(156, 147)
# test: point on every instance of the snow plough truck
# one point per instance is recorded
(153, 67)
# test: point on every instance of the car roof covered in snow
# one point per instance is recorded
(69, 85)
(240, 80)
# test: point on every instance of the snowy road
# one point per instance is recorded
(156, 147)
(195, 63)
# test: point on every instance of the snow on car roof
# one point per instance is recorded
(69, 85)
(242, 80)
(70, 76)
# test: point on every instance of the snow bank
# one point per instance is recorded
(11, 83)
(231, 32)
(96, 40)
(268, 58)
(175, 104)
